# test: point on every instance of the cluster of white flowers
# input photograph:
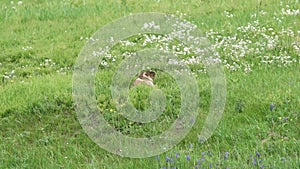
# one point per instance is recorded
(105, 55)
(126, 43)
(9, 75)
(18, 3)
(262, 12)
(63, 70)
(24, 66)
(228, 14)
(290, 12)
(287, 32)
(128, 54)
(13, 6)
(158, 39)
(25, 48)
(151, 26)
(278, 19)
(48, 63)
(252, 44)
(88, 39)
(282, 60)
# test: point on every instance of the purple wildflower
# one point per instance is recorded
(254, 161)
(226, 154)
(257, 154)
(188, 157)
(167, 159)
(177, 155)
(272, 106)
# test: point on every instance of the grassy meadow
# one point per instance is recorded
(257, 42)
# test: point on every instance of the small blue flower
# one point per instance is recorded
(210, 165)
(188, 157)
(257, 154)
(226, 154)
(167, 159)
(254, 161)
(203, 154)
(272, 106)
(177, 155)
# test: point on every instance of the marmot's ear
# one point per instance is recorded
(145, 74)
(142, 74)
(152, 74)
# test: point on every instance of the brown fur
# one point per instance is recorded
(146, 78)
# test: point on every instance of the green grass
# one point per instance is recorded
(41, 40)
